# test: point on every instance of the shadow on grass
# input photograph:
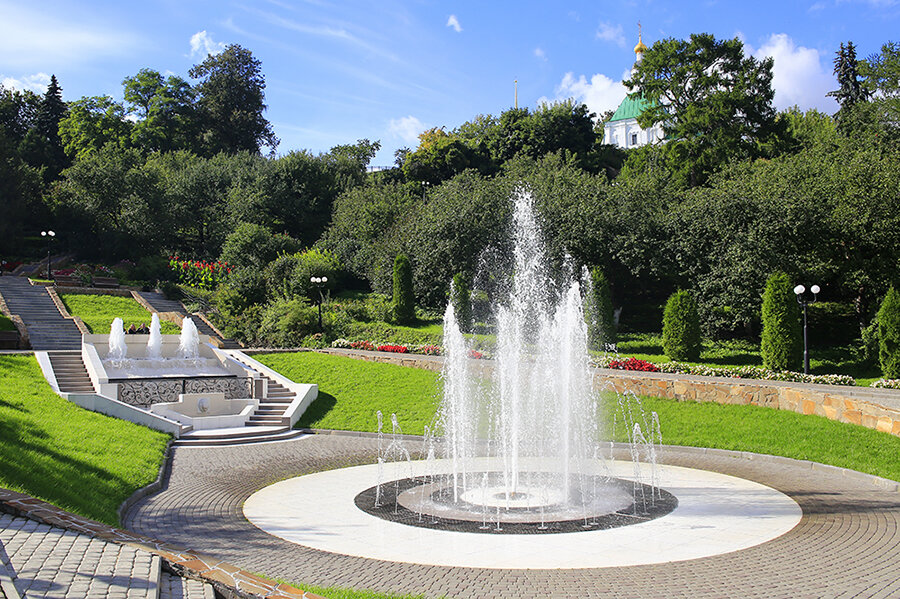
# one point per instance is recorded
(320, 408)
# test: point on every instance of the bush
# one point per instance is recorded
(681, 327)
(286, 322)
(461, 297)
(868, 348)
(601, 325)
(251, 245)
(782, 345)
(288, 275)
(889, 334)
(404, 303)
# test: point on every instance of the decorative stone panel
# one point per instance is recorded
(146, 392)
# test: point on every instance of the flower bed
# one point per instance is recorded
(427, 349)
(397, 349)
(887, 384)
(199, 273)
(633, 364)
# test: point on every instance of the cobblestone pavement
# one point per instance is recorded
(52, 562)
(846, 545)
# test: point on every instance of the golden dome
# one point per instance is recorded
(640, 48)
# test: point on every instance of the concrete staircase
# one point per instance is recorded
(47, 329)
(160, 303)
(71, 375)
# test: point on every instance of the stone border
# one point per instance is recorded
(877, 409)
(227, 580)
(165, 469)
(61, 306)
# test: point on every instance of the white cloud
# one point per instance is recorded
(609, 33)
(454, 22)
(37, 83)
(202, 45)
(539, 52)
(406, 128)
(798, 75)
(600, 93)
(32, 39)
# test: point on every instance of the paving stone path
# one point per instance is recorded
(55, 563)
(846, 545)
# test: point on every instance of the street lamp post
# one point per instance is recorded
(319, 282)
(799, 290)
(50, 235)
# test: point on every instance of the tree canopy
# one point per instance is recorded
(713, 102)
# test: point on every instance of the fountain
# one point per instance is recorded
(520, 452)
(525, 448)
(154, 342)
(189, 342)
(118, 349)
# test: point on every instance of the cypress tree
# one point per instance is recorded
(601, 323)
(681, 327)
(403, 305)
(782, 343)
(889, 335)
(461, 297)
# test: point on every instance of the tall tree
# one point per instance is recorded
(851, 90)
(232, 101)
(42, 147)
(713, 102)
(166, 112)
(93, 122)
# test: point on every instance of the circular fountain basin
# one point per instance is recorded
(715, 514)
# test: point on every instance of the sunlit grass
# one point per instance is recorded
(352, 390)
(98, 312)
(79, 460)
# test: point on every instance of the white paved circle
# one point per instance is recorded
(716, 514)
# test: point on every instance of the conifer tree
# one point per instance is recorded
(782, 346)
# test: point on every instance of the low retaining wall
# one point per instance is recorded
(877, 409)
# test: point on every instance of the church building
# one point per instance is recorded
(622, 129)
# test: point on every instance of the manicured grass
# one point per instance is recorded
(6, 324)
(78, 460)
(352, 390)
(98, 312)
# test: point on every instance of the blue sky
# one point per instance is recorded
(337, 71)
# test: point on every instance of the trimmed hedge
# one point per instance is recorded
(404, 303)
(782, 343)
(889, 335)
(601, 323)
(681, 327)
(461, 296)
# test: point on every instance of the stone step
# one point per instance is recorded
(233, 433)
(242, 440)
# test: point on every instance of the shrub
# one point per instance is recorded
(601, 324)
(781, 346)
(889, 334)
(403, 305)
(287, 321)
(461, 297)
(288, 275)
(681, 327)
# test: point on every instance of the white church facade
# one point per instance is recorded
(622, 129)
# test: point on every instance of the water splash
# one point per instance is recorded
(154, 343)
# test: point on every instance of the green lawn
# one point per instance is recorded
(352, 390)
(79, 460)
(98, 312)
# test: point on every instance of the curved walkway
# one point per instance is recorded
(846, 545)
